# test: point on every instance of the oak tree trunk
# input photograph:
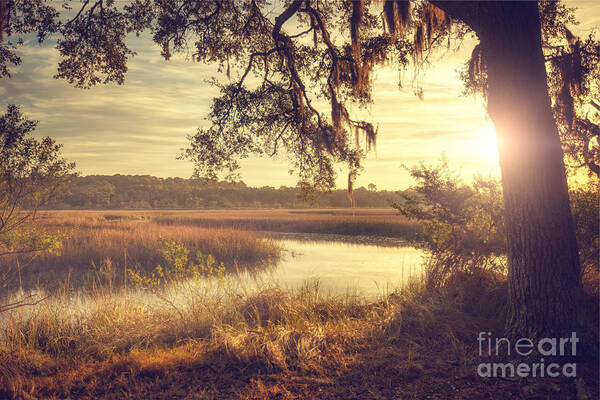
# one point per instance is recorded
(544, 274)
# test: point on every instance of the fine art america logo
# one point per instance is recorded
(503, 348)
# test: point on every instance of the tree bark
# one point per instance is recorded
(544, 280)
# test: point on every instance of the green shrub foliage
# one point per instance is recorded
(463, 225)
(179, 264)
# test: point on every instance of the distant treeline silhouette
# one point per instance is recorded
(145, 191)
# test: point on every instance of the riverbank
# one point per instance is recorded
(382, 241)
(272, 344)
(347, 222)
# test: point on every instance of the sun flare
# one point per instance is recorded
(485, 144)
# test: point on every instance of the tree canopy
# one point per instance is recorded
(285, 60)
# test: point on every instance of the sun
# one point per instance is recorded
(485, 144)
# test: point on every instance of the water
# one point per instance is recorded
(342, 267)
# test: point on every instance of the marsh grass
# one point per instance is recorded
(98, 249)
(228, 332)
(359, 222)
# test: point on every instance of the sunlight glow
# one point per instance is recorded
(485, 144)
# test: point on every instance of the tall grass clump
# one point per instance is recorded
(239, 331)
(95, 249)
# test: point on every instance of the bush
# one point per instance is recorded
(585, 208)
(463, 226)
(179, 265)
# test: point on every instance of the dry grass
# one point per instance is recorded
(374, 222)
(103, 345)
(262, 343)
(101, 246)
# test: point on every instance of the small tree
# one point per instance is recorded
(32, 174)
(463, 225)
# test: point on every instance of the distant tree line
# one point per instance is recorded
(145, 191)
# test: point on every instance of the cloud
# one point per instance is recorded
(140, 127)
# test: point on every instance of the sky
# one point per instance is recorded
(141, 126)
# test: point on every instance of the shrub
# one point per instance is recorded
(178, 265)
(463, 226)
(585, 208)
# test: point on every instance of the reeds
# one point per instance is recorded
(101, 247)
(384, 223)
(214, 326)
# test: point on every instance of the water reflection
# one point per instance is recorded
(339, 267)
